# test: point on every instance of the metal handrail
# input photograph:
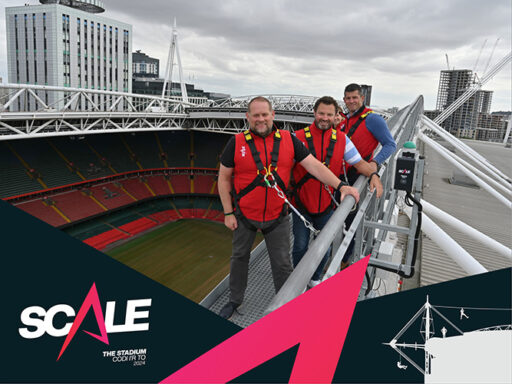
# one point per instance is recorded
(403, 126)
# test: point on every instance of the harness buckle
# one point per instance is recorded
(270, 182)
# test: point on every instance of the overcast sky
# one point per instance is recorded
(316, 47)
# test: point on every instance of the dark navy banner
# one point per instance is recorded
(73, 314)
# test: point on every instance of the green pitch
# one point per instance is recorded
(189, 256)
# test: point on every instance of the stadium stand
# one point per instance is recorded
(110, 195)
(111, 147)
(208, 148)
(139, 225)
(181, 184)
(145, 148)
(164, 216)
(137, 188)
(203, 183)
(77, 151)
(105, 188)
(43, 212)
(103, 239)
(159, 185)
(76, 205)
(176, 144)
(42, 157)
(15, 177)
(87, 229)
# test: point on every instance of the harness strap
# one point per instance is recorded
(352, 129)
(308, 176)
(330, 148)
(260, 179)
(254, 151)
(309, 139)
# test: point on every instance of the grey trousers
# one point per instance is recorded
(278, 246)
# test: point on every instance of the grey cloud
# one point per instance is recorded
(324, 28)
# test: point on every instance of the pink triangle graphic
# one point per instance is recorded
(91, 300)
(318, 320)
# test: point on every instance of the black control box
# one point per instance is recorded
(404, 171)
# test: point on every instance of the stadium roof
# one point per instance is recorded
(472, 205)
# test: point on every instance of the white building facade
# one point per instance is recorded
(68, 46)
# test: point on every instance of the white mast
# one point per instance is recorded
(174, 49)
(428, 319)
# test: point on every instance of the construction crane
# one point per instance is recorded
(478, 57)
(473, 89)
(490, 57)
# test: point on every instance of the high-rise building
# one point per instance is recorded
(65, 43)
(452, 84)
(145, 66)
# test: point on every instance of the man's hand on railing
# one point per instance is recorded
(376, 184)
(346, 190)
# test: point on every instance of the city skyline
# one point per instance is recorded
(398, 48)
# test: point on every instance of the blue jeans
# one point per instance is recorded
(301, 239)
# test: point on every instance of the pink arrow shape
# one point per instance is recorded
(91, 300)
(318, 320)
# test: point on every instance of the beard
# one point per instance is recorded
(264, 134)
(322, 126)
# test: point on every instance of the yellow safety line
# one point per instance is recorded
(99, 156)
(128, 193)
(43, 184)
(130, 152)
(60, 213)
(161, 149)
(214, 181)
(26, 165)
(213, 187)
(170, 186)
(149, 189)
(96, 201)
(64, 158)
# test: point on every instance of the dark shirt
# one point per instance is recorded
(228, 156)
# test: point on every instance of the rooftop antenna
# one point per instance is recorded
(174, 50)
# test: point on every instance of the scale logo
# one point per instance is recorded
(42, 319)
(404, 171)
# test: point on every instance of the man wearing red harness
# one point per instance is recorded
(260, 161)
(312, 198)
(366, 130)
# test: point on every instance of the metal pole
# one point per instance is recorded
(507, 133)
(439, 214)
(302, 273)
(431, 143)
(467, 149)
